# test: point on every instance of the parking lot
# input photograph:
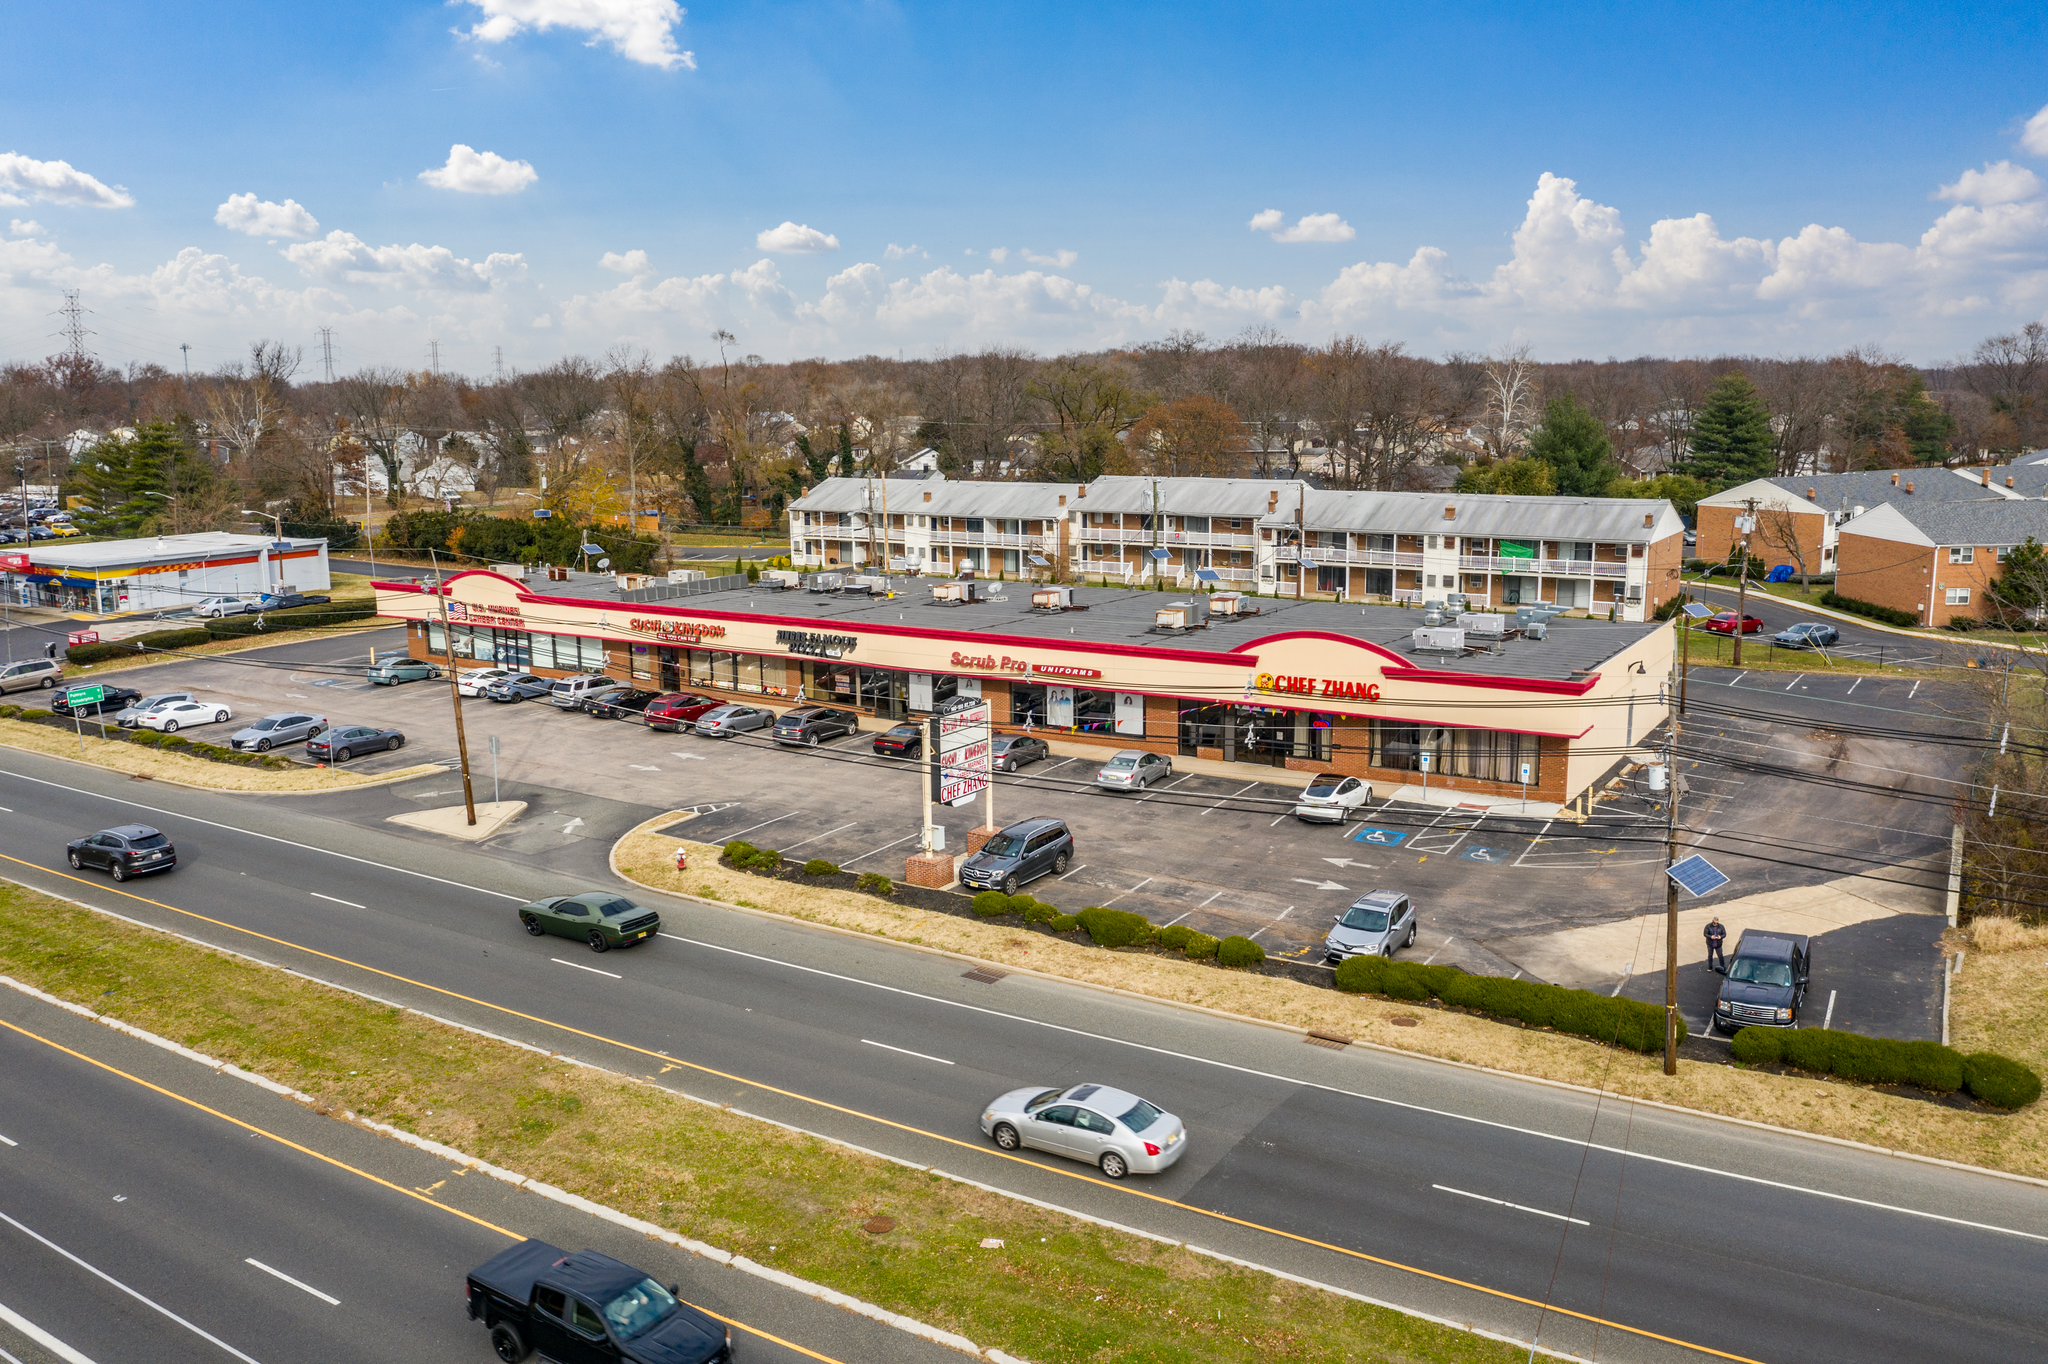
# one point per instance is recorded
(1222, 854)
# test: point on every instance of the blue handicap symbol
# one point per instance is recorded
(1485, 855)
(1385, 838)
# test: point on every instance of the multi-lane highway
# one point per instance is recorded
(1468, 1195)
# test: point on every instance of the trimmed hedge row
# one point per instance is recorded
(228, 627)
(1625, 1022)
(1993, 1079)
(1888, 614)
(744, 856)
(146, 738)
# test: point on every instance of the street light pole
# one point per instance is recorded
(278, 523)
(1671, 901)
(454, 689)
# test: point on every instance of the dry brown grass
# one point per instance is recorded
(1999, 1002)
(181, 770)
(2017, 1142)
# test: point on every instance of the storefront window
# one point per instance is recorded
(1261, 734)
(1483, 754)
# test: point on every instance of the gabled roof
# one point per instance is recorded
(1187, 496)
(1864, 488)
(1022, 501)
(2029, 478)
(1488, 514)
(1997, 522)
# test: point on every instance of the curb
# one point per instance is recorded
(1865, 621)
(404, 774)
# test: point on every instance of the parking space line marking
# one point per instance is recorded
(763, 824)
(1503, 1203)
(333, 900)
(1738, 677)
(1133, 890)
(906, 1051)
(1203, 905)
(8, 1141)
(1795, 682)
(1439, 949)
(1534, 841)
(280, 1274)
(1829, 1021)
(1054, 768)
(1916, 690)
(1262, 928)
(1279, 818)
(815, 837)
(1168, 924)
(1853, 686)
(581, 967)
(884, 848)
(1232, 796)
(1168, 787)
(40, 1337)
(1075, 872)
(147, 1302)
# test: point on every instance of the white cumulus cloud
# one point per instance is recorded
(641, 31)
(1058, 259)
(2000, 182)
(345, 257)
(1311, 227)
(795, 239)
(261, 218)
(2034, 137)
(24, 179)
(631, 263)
(998, 254)
(26, 227)
(470, 171)
(895, 252)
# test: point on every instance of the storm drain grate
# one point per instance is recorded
(987, 975)
(1335, 1041)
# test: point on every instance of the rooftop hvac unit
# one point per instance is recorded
(1174, 617)
(510, 570)
(1536, 629)
(632, 582)
(1440, 641)
(866, 582)
(1055, 599)
(781, 579)
(1485, 625)
(1232, 604)
(686, 575)
(822, 582)
(956, 593)
(1433, 614)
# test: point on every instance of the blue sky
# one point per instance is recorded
(1455, 177)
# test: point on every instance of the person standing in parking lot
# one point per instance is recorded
(1716, 935)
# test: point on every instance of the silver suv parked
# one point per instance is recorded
(36, 672)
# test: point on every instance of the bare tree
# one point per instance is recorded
(1264, 378)
(2011, 372)
(1512, 392)
(378, 405)
(1778, 528)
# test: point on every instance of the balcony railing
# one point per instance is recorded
(994, 540)
(1548, 568)
(1363, 558)
(1166, 539)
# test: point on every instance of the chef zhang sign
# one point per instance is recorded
(1330, 688)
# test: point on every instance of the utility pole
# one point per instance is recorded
(1742, 578)
(327, 352)
(454, 690)
(1671, 901)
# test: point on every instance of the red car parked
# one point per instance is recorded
(1724, 624)
(677, 710)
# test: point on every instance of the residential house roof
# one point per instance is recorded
(1983, 522)
(1486, 514)
(1186, 496)
(948, 497)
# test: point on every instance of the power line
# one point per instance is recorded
(327, 352)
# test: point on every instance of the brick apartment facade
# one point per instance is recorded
(1934, 559)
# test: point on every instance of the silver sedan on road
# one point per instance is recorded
(1111, 1129)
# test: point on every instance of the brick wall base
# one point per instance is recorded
(933, 871)
(979, 836)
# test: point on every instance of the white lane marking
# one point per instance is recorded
(1132, 891)
(350, 903)
(692, 757)
(639, 768)
(1534, 841)
(1205, 904)
(280, 1274)
(9, 1141)
(1054, 768)
(1503, 1203)
(1439, 949)
(1916, 688)
(102, 1274)
(581, 967)
(6, 809)
(871, 852)
(1232, 796)
(1564, 1138)
(1829, 1021)
(1168, 787)
(815, 837)
(1853, 686)
(763, 824)
(1795, 682)
(1262, 928)
(40, 1337)
(1280, 817)
(1738, 677)
(906, 1051)
(268, 838)
(1168, 924)
(1075, 872)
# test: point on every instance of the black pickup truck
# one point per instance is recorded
(1766, 981)
(587, 1308)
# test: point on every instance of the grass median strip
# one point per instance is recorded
(2017, 1142)
(1055, 1290)
(161, 765)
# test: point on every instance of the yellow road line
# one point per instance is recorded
(364, 1174)
(975, 1147)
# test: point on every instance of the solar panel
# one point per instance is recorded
(1307, 562)
(1208, 575)
(1162, 555)
(1037, 562)
(1697, 611)
(1697, 875)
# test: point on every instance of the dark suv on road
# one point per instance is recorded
(1020, 854)
(813, 724)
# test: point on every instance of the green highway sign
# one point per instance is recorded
(83, 696)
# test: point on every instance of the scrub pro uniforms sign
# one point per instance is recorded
(960, 739)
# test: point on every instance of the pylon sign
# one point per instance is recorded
(960, 741)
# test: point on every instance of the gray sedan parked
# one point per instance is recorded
(403, 670)
(1132, 770)
(1012, 751)
(286, 727)
(1111, 1129)
(727, 721)
(1807, 634)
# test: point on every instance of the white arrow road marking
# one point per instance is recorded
(1347, 862)
(280, 1274)
(637, 767)
(570, 827)
(693, 757)
(1319, 885)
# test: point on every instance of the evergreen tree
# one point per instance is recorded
(1573, 442)
(117, 477)
(1731, 435)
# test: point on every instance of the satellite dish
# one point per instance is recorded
(604, 563)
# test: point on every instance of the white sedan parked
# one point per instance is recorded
(472, 681)
(1331, 798)
(176, 715)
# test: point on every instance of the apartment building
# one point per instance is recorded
(1133, 529)
(1809, 512)
(929, 525)
(1934, 559)
(1594, 554)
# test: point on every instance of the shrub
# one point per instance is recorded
(765, 860)
(1201, 947)
(174, 741)
(1999, 1081)
(1889, 615)
(1174, 937)
(1960, 623)
(1625, 1022)
(83, 654)
(1039, 912)
(1114, 927)
(9, 712)
(1236, 951)
(818, 866)
(173, 639)
(1361, 975)
(739, 853)
(1754, 1046)
(991, 903)
(876, 883)
(148, 738)
(297, 618)
(1065, 923)
(1404, 980)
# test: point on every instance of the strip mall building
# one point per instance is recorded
(1301, 685)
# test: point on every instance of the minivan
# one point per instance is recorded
(35, 672)
(1020, 854)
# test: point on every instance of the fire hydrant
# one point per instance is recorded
(682, 859)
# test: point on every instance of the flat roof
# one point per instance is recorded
(156, 549)
(1124, 616)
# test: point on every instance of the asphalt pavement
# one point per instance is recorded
(1369, 1170)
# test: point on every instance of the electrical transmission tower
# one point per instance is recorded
(75, 331)
(186, 348)
(434, 357)
(498, 362)
(327, 352)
